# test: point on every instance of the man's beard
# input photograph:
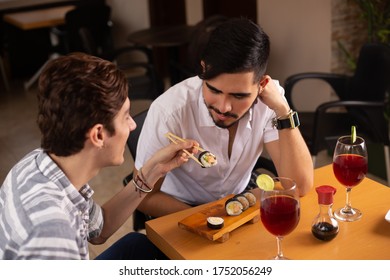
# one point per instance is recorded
(221, 124)
(228, 114)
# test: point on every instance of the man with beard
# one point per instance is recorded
(234, 110)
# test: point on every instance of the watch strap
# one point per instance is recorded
(290, 121)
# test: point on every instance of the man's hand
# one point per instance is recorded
(168, 158)
(173, 156)
(269, 94)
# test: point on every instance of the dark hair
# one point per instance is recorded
(76, 92)
(235, 46)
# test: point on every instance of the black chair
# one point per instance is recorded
(94, 16)
(361, 102)
(369, 82)
(135, 61)
(88, 28)
(334, 119)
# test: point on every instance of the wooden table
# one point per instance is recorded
(18, 5)
(41, 18)
(368, 238)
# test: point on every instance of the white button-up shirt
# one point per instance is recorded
(182, 111)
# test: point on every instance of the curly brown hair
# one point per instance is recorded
(76, 92)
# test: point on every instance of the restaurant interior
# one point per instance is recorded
(307, 36)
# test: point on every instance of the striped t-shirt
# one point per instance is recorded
(42, 215)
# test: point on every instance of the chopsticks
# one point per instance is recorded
(173, 139)
(170, 135)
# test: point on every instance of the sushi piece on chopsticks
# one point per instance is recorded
(205, 159)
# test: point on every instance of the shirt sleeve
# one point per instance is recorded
(95, 220)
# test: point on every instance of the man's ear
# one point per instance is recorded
(262, 84)
(263, 81)
(96, 135)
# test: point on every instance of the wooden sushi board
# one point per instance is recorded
(197, 222)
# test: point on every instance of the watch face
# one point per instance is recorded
(291, 122)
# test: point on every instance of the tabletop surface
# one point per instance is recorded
(9, 5)
(162, 36)
(368, 238)
(41, 18)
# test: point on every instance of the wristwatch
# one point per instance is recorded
(291, 120)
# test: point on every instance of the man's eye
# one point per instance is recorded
(215, 91)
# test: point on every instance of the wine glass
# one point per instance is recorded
(350, 167)
(280, 210)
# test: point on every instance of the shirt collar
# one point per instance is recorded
(86, 191)
(55, 174)
(203, 112)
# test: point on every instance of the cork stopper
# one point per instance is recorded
(325, 194)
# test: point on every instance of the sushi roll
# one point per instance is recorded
(215, 222)
(250, 197)
(207, 159)
(233, 207)
(243, 200)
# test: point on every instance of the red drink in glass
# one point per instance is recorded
(350, 169)
(280, 214)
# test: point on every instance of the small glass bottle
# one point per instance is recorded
(325, 227)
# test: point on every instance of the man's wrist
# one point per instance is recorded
(151, 173)
(284, 116)
(282, 112)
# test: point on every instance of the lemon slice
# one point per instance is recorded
(265, 182)
(353, 134)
